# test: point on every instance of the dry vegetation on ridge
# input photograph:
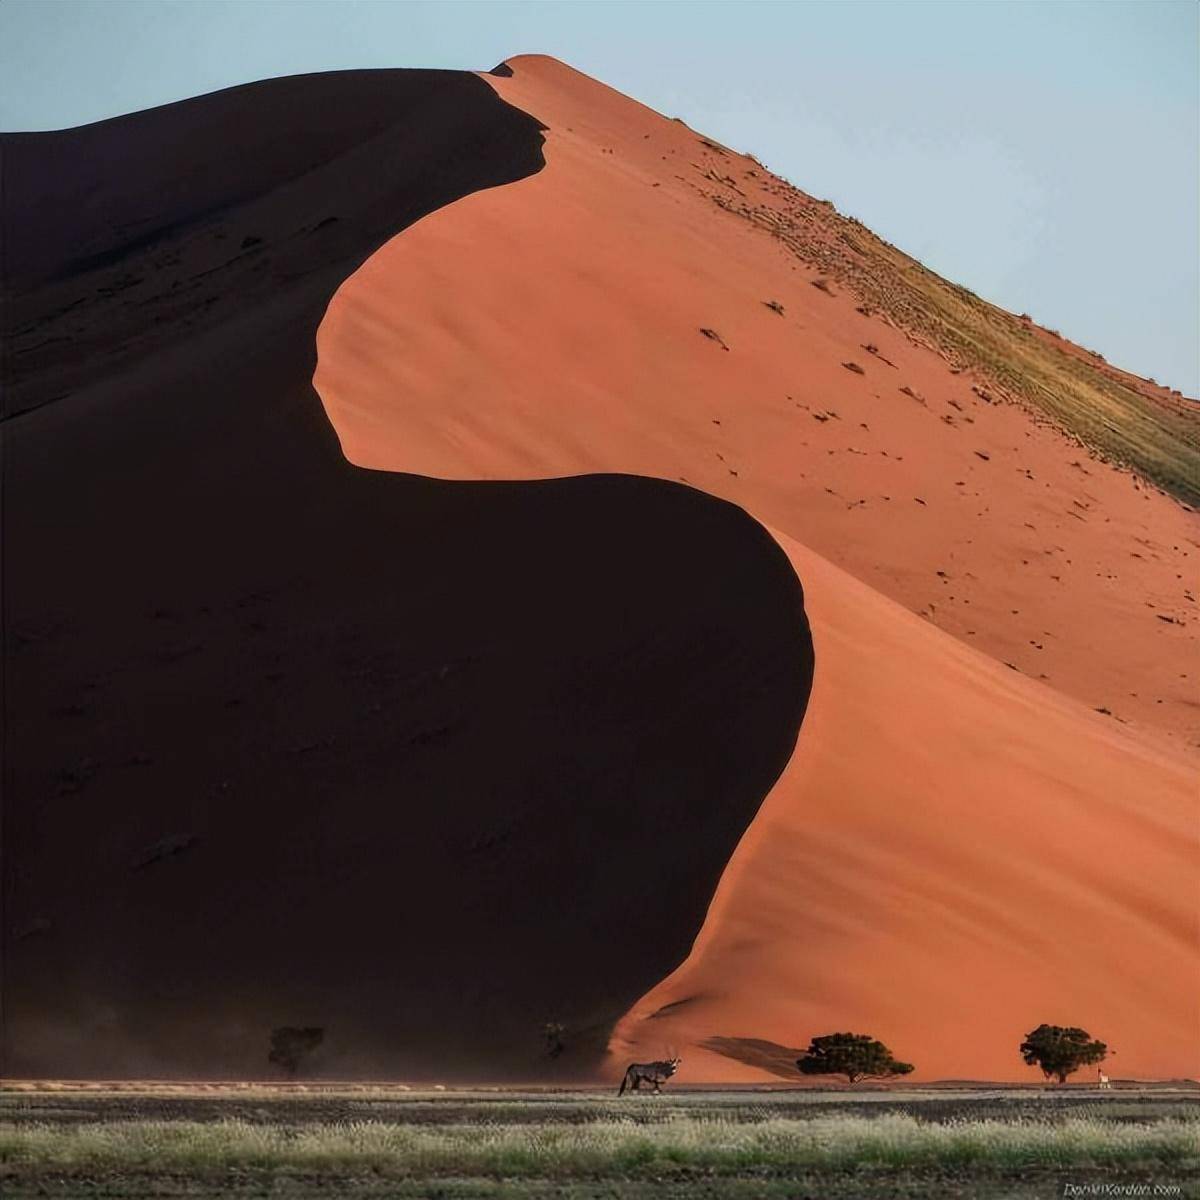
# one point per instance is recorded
(1123, 419)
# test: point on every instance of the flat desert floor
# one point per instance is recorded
(258, 1140)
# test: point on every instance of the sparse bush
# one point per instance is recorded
(291, 1045)
(855, 1055)
(554, 1034)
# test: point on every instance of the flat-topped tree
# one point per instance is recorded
(855, 1055)
(1060, 1050)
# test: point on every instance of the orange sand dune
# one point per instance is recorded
(958, 850)
(554, 327)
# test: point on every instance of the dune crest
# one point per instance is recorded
(606, 315)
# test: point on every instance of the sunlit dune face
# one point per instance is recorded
(962, 847)
(439, 357)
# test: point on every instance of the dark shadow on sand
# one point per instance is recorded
(756, 1052)
(290, 742)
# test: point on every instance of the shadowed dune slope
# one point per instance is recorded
(961, 847)
(292, 742)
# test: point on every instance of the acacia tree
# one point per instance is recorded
(1059, 1050)
(291, 1045)
(855, 1055)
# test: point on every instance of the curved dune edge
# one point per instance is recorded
(294, 741)
(956, 852)
(554, 327)
(953, 856)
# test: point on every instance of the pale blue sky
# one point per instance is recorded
(1046, 155)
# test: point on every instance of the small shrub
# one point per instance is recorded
(554, 1034)
(291, 1045)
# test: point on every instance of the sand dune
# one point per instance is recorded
(292, 742)
(429, 763)
(963, 846)
(954, 856)
(557, 329)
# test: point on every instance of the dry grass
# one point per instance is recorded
(586, 1145)
(603, 1147)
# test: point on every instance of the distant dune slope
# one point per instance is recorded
(292, 742)
(963, 846)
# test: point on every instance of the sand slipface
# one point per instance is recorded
(962, 846)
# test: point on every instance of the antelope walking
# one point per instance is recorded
(1102, 1081)
(653, 1073)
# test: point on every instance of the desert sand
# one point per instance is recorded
(991, 817)
(554, 327)
(953, 856)
(485, 716)
(291, 742)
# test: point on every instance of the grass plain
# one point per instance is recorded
(248, 1141)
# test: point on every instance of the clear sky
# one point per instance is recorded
(1046, 155)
